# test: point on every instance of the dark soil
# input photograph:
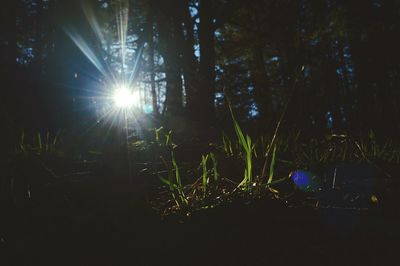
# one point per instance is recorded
(102, 219)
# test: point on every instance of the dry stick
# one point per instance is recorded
(279, 123)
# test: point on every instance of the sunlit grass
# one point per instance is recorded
(248, 149)
(205, 177)
(39, 144)
(174, 182)
(192, 182)
(288, 153)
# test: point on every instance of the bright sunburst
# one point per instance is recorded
(116, 96)
(125, 98)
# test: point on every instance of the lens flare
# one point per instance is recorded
(305, 180)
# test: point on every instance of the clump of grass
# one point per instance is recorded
(206, 173)
(335, 148)
(205, 177)
(248, 149)
(372, 151)
(277, 157)
(157, 134)
(174, 182)
(39, 144)
(214, 168)
(163, 139)
(227, 145)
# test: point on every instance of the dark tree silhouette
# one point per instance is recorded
(197, 50)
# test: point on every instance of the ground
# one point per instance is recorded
(90, 211)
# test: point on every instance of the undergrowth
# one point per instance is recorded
(265, 166)
(238, 166)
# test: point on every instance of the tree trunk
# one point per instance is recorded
(39, 42)
(260, 83)
(204, 106)
(9, 109)
(189, 63)
(259, 76)
(11, 54)
(150, 41)
(169, 50)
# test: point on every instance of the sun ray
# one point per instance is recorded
(87, 51)
(135, 65)
(122, 27)
(91, 18)
(116, 98)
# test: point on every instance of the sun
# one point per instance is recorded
(125, 98)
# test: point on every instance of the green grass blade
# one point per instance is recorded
(272, 166)
(215, 169)
(22, 142)
(39, 140)
(239, 133)
(204, 160)
(47, 141)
